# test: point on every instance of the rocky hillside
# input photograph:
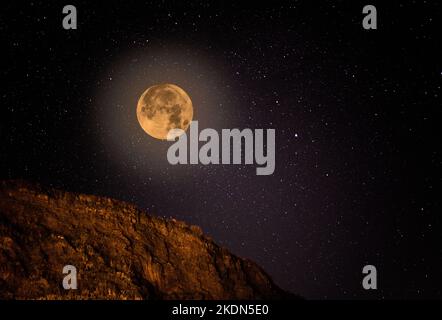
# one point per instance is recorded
(119, 251)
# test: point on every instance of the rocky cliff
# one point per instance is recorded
(120, 252)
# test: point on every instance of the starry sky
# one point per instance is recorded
(355, 114)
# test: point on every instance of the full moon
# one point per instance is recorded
(164, 107)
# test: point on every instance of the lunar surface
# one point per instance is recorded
(164, 107)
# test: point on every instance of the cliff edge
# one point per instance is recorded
(119, 251)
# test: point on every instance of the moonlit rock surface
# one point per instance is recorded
(119, 251)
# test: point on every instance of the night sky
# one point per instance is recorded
(355, 111)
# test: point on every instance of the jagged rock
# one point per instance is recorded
(119, 251)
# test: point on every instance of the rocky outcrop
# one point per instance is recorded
(120, 252)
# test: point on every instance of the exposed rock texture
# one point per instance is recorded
(119, 251)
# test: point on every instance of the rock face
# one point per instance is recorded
(119, 252)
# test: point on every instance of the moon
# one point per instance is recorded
(164, 107)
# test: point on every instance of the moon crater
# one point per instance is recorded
(164, 107)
